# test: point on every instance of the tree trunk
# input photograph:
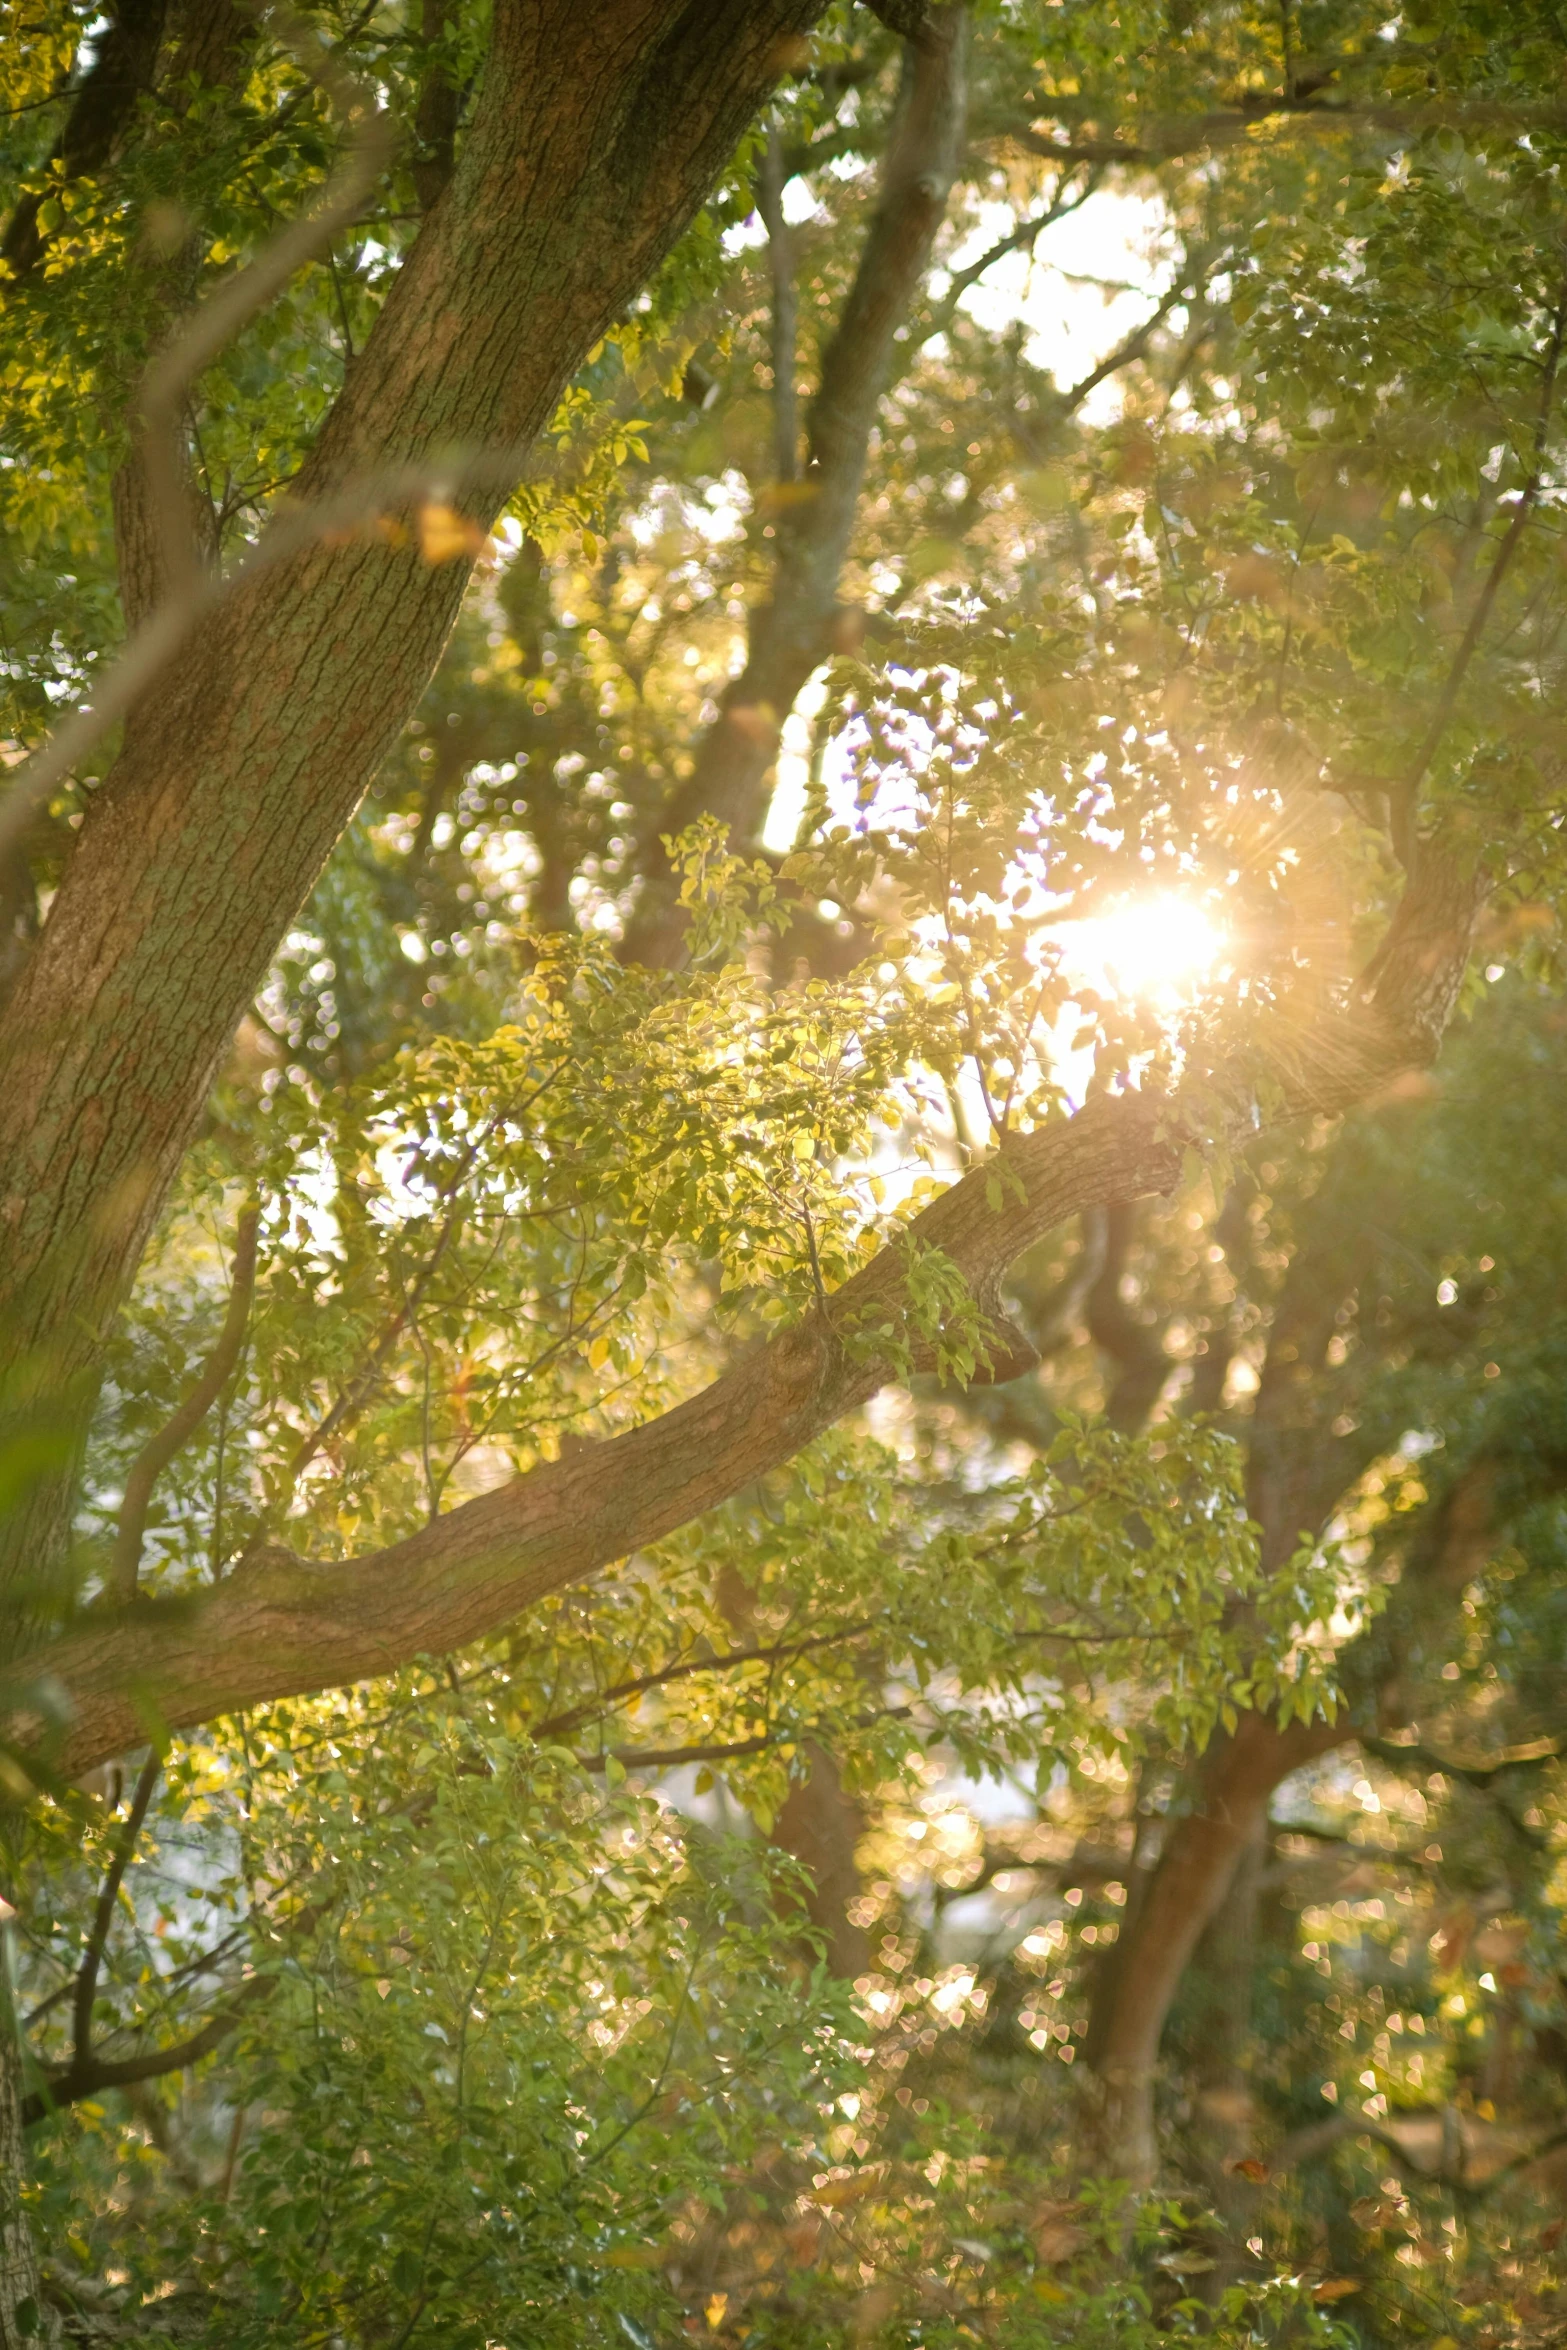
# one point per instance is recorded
(821, 1826)
(25, 2320)
(597, 135)
(1235, 1785)
(1228, 1812)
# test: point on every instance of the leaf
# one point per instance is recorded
(1335, 2288)
(444, 534)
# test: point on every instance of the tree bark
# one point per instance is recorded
(26, 2321)
(1189, 1885)
(596, 136)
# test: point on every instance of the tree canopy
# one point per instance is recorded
(781, 1432)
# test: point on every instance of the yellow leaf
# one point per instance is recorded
(445, 534)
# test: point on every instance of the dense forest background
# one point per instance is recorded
(1071, 1846)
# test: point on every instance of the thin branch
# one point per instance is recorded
(1177, 138)
(1482, 1775)
(621, 1692)
(1512, 539)
(168, 380)
(1133, 347)
(1024, 236)
(770, 180)
(182, 1424)
(99, 2073)
(665, 1758)
(103, 1913)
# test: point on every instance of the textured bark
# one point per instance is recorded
(25, 2319)
(596, 136)
(801, 626)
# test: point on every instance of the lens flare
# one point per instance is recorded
(1153, 948)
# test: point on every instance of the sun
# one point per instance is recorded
(1155, 948)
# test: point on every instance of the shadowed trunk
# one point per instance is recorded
(821, 1826)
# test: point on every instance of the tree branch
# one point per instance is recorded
(1142, 1365)
(687, 1669)
(795, 631)
(86, 1987)
(770, 182)
(1174, 138)
(281, 1625)
(182, 1424)
(99, 2073)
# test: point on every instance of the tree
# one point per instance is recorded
(558, 201)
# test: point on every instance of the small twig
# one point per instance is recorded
(177, 1431)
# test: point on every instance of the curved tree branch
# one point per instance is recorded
(281, 1625)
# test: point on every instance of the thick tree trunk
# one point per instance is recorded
(597, 135)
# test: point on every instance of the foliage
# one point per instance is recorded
(521, 2030)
